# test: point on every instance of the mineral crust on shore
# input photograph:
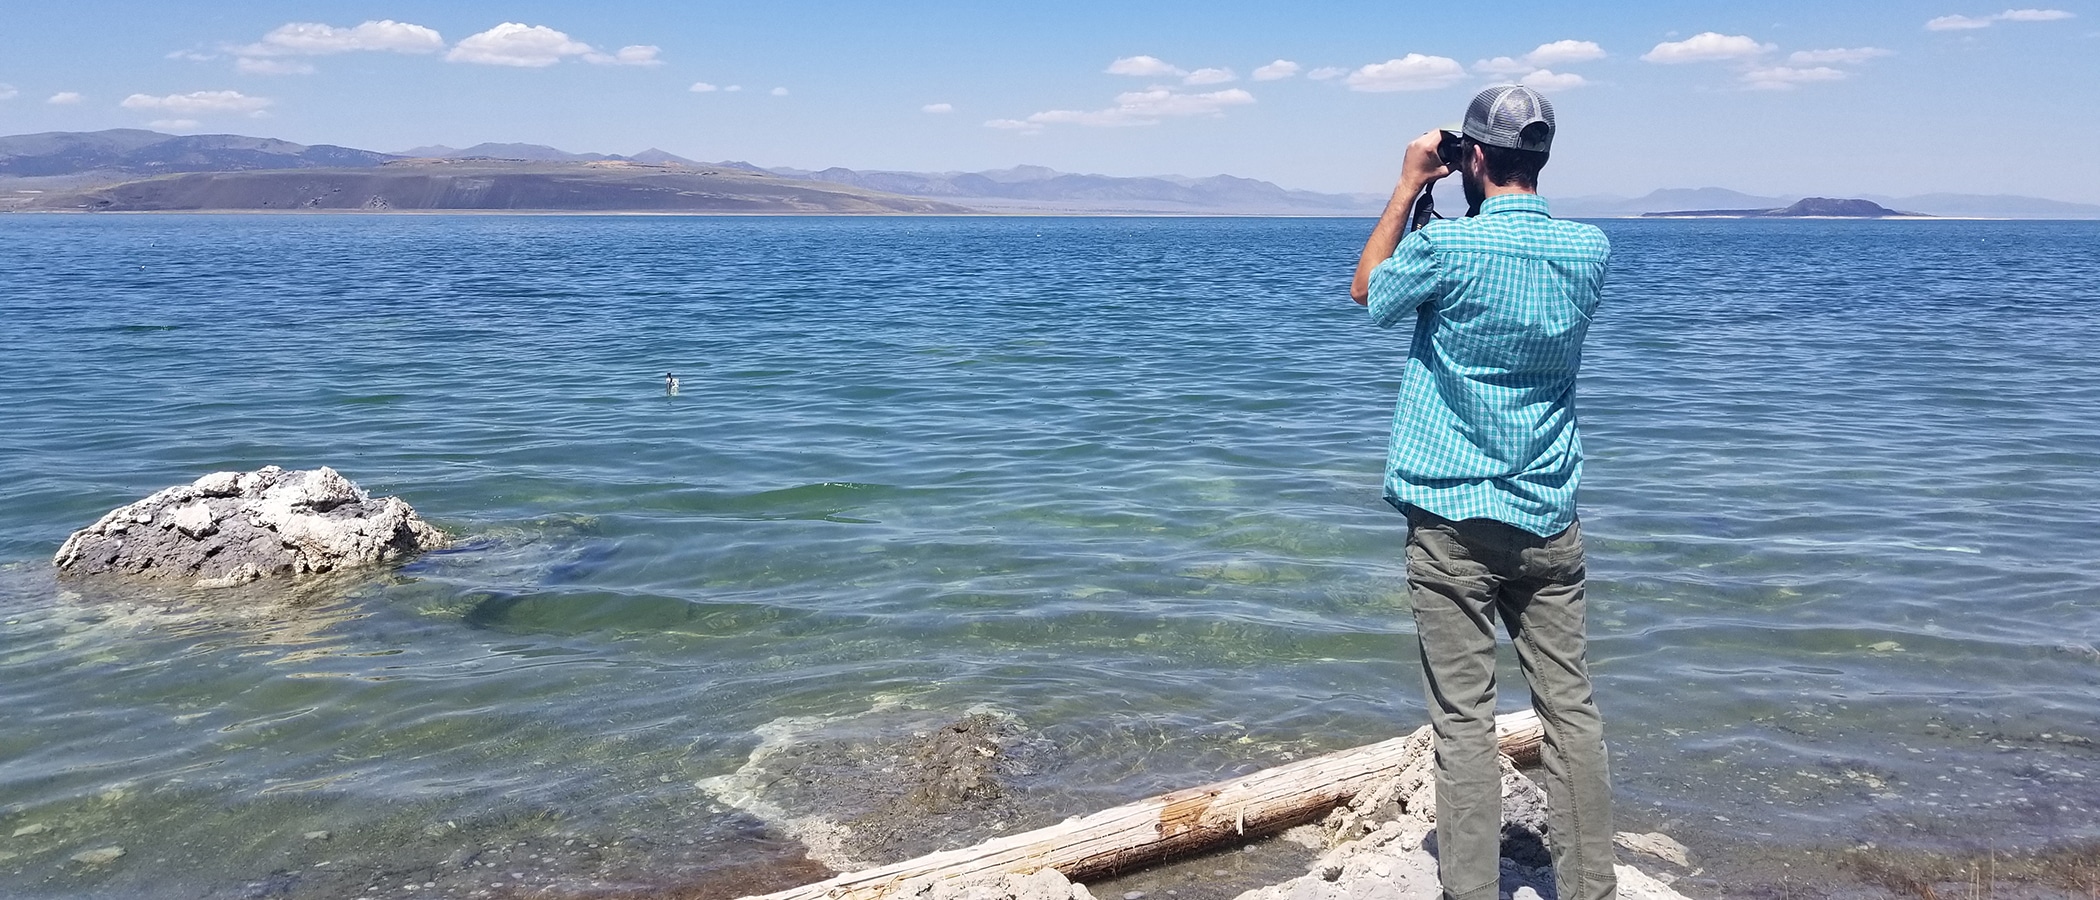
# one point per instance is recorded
(231, 528)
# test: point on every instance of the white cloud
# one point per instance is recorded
(1413, 72)
(732, 89)
(193, 55)
(1957, 23)
(316, 39)
(1964, 23)
(1276, 71)
(1836, 56)
(780, 92)
(1561, 53)
(1145, 67)
(8, 92)
(938, 108)
(65, 98)
(1210, 76)
(1326, 73)
(1557, 53)
(2034, 15)
(516, 44)
(630, 55)
(257, 65)
(199, 103)
(1549, 80)
(702, 87)
(174, 124)
(1145, 107)
(1783, 78)
(1501, 65)
(1707, 46)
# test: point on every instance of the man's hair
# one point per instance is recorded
(1508, 165)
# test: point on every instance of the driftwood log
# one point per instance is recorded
(1167, 825)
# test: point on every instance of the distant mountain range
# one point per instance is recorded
(34, 168)
(491, 185)
(136, 151)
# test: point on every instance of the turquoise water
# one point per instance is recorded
(1116, 477)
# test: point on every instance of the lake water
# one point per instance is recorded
(1115, 477)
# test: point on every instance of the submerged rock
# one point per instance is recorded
(230, 528)
(890, 784)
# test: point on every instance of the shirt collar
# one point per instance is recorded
(1514, 203)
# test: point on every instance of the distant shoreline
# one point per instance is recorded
(894, 214)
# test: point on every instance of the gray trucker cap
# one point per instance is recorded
(1499, 114)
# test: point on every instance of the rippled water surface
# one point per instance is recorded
(1115, 477)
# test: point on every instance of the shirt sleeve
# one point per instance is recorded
(1403, 283)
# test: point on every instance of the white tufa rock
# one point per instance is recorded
(230, 528)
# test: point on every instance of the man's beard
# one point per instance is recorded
(1475, 195)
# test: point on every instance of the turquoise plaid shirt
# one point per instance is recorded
(1485, 427)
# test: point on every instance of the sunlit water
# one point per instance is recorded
(1115, 477)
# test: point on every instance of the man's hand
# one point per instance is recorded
(1419, 168)
(1420, 164)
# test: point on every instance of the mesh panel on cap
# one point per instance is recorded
(1498, 116)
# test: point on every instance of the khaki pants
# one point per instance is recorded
(1461, 577)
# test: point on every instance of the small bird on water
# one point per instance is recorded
(670, 383)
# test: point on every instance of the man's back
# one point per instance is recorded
(1485, 424)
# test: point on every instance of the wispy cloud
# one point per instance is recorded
(938, 108)
(1531, 69)
(277, 52)
(630, 55)
(199, 103)
(316, 39)
(1327, 73)
(1965, 23)
(1145, 67)
(1276, 71)
(1147, 107)
(517, 44)
(1413, 72)
(1836, 56)
(1782, 78)
(1561, 53)
(261, 65)
(702, 87)
(780, 92)
(508, 44)
(1154, 67)
(65, 98)
(1709, 46)
(1755, 69)
(8, 92)
(1549, 80)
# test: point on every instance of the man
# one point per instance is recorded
(1484, 462)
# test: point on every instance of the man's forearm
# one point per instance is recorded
(1384, 236)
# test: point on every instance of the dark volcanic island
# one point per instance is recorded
(1809, 208)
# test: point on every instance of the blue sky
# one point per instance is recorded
(1785, 98)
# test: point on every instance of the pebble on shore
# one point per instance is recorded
(98, 857)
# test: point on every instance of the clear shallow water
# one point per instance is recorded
(1116, 477)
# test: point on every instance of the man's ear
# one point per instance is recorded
(1477, 160)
